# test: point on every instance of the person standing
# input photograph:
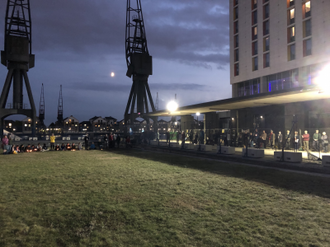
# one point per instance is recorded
(305, 138)
(264, 138)
(86, 141)
(279, 140)
(288, 140)
(177, 136)
(325, 142)
(272, 139)
(183, 139)
(5, 142)
(52, 141)
(167, 136)
(316, 140)
(256, 139)
(296, 141)
(118, 140)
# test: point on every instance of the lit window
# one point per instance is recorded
(291, 16)
(266, 44)
(307, 9)
(254, 33)
(254, 4)
(291, 34)
(290, 3)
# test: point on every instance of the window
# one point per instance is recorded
(254, 33)
(307, 28)
(266, 44)
(254, 48)
(236, 69)
(291, 34)
(266, 27)
(235, 27)
(236, 55)
(290, 3)
(266, 60)
(307, 47)
(254, 17)
(236, 13)
(291, 16)
(236, 41)
(291, 52)
(254, 4)
(255, 63)
(266, 11)
(307, 9)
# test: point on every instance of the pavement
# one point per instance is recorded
(310, 166)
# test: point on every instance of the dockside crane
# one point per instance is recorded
(60, 109)
(139, 65)
(18, 58)
(42, 108)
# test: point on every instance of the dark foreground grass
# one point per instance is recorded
(138, 198)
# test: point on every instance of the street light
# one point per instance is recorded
(322, 80)
(172, 106)
(197, 114)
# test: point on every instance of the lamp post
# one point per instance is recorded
(172, 106)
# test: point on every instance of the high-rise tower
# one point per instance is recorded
(18, 58)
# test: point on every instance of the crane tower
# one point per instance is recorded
(18, 58)
(42, 108)
(139, 64)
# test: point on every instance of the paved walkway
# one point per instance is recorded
(306, 166)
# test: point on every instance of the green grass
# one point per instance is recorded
(136, 198)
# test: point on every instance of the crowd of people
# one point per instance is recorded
(9, 148)
(289, 141)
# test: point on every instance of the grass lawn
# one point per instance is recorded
(137, 198)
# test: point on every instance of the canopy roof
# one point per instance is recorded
(265, 99)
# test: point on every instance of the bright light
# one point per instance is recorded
(261, 117)
(198, 113)
(172, 106)
(112, 74)
(322, 80)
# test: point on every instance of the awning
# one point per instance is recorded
(265, 99)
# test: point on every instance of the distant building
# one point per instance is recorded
(71, 125)
(98, 124)
(85, 126)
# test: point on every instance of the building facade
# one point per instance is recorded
(277, 45)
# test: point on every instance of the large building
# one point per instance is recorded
(277, 45)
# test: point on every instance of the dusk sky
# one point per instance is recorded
(79, 43)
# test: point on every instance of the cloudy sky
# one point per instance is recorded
(78, 44)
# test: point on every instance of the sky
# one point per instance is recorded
(77, 44)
